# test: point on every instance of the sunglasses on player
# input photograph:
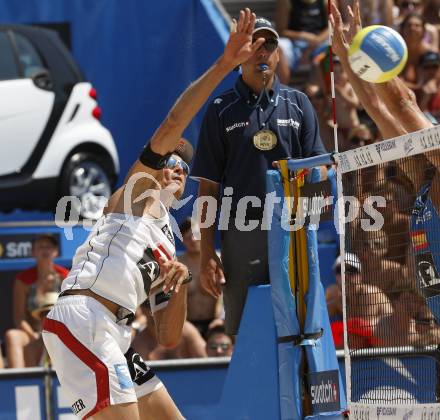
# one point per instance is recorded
(270, 45)
(172, 162)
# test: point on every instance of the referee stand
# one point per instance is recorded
(284, 364)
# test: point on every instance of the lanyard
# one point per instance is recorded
(258, 104)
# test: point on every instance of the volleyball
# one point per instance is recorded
(377, 54)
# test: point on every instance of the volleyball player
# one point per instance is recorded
(394, 109)
(129, 257)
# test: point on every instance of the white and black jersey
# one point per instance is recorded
(118, 261)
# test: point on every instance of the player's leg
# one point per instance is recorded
(158, 405)
(128, 411)
(154, 402)
(84, 343)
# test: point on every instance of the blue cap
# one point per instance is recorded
(262, 24)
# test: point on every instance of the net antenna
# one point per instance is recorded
(340, 205)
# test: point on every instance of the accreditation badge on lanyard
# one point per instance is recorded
(265, 140)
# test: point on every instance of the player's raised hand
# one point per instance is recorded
(339, 42)
(174, 274)
(354, 21)
(239, 47)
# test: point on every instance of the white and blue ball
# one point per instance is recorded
(377, 54)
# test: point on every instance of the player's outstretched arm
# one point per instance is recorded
(365, 91)
(391, 105)
(238, 49)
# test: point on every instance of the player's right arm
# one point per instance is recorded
(238, 49)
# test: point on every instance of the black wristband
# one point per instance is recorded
(152, 159)
(189, 278)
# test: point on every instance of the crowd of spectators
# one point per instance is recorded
(36, 290)
(303, 29)
(384, 306)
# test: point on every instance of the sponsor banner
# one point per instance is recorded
(324, 391)
(19, 245)
(393, 412)
(400, 147)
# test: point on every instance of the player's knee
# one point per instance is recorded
(14, 337)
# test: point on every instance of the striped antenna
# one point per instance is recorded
(332, 79)
(340, 208)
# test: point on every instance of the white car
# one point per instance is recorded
(51, 141)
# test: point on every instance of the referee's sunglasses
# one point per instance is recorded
(270, 45)
(172, 162)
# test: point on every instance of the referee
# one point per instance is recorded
(244, 130)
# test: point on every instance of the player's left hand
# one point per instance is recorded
(174, 273)
(239, 47)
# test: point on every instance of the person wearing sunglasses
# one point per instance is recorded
(244, 130)
(218, 343)
(129, 257)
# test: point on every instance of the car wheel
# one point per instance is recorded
(87, 177)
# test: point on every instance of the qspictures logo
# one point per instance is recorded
(324, 391)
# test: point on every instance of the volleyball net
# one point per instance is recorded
(390, 276)
(386, 197)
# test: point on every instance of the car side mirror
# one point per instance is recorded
(41, 78)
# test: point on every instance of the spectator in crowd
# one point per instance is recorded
(414, 33)
(202, 306)
(322, 104)
(303, 27)
(218, 343)
(398, 328)
(244, 130)
(191, 343)
(429, 97)
(333, 299)
(406, 7)
(373, 12)
(28, 288)
(378, 270)
(431, 14)
(363, 300)
(347, 104)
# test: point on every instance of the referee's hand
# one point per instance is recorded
(211, 275)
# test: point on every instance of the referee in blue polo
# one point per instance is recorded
(244, 130)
